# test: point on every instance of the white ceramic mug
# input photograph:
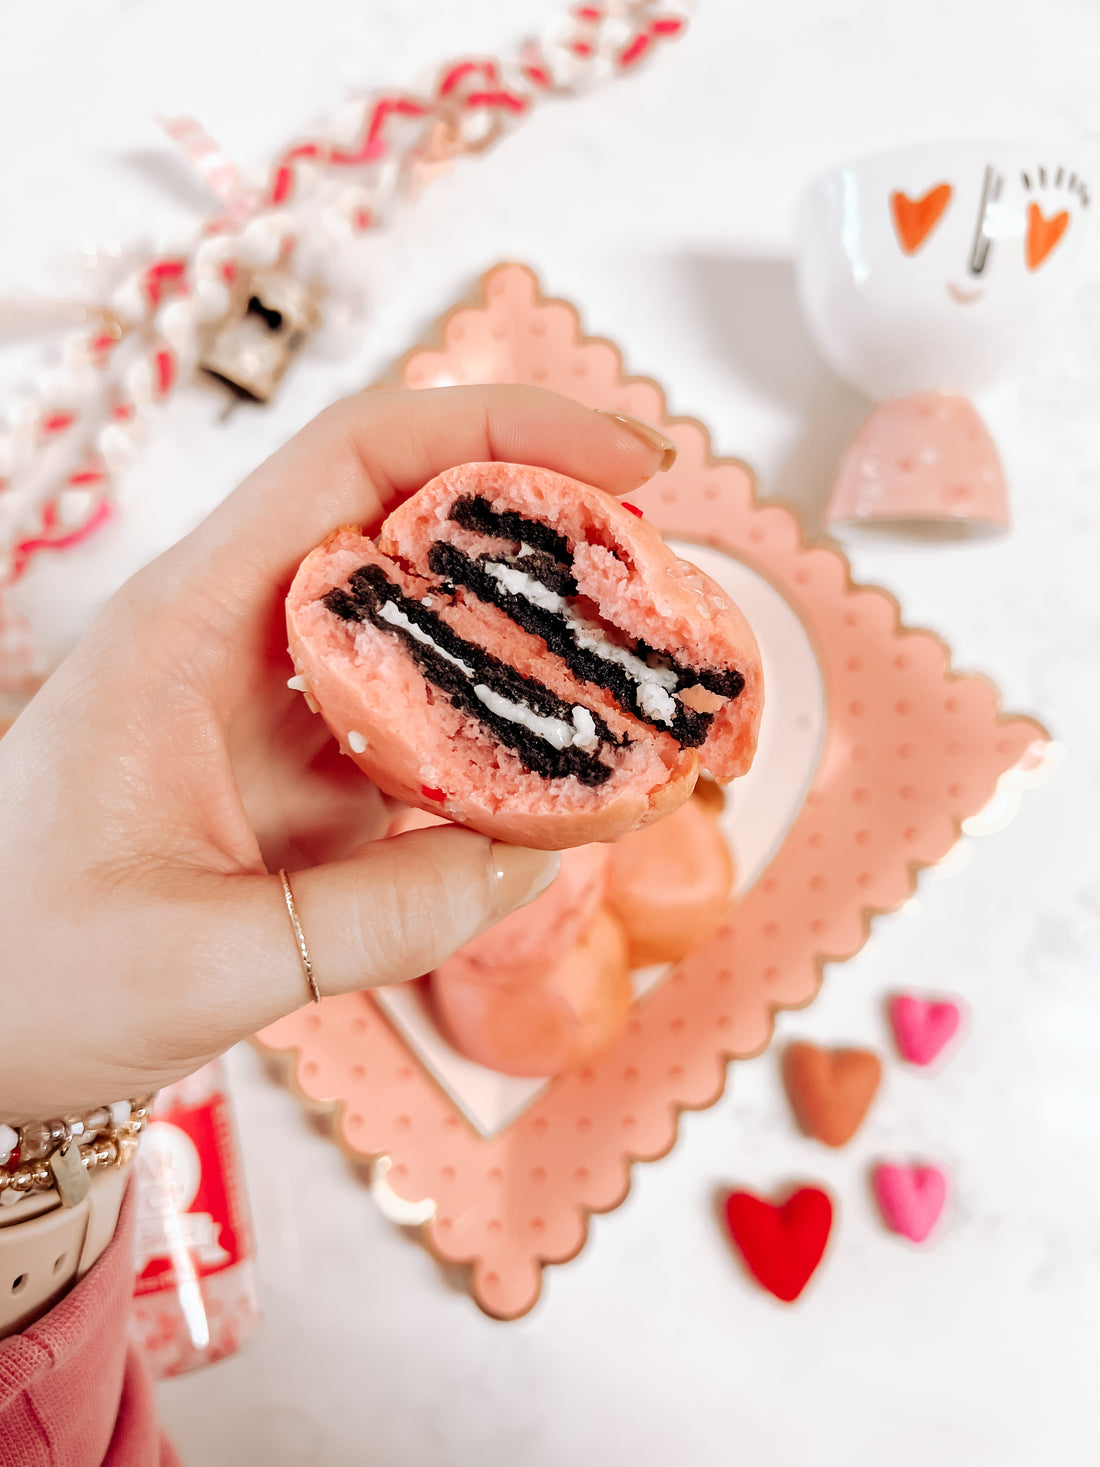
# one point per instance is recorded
(937, 267)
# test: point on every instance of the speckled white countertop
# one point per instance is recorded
(662, 207)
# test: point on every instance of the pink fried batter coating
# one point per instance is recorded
(621, 563)
(417, 746)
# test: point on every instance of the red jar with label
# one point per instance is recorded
(195, 1295)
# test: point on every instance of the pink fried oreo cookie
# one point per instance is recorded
(527, 943)
(523, 655)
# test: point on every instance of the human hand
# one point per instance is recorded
(165, 770)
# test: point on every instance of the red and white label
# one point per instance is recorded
(191, 1221)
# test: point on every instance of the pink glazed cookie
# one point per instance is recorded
(521, 653)
(526, 944)
(545, 1024)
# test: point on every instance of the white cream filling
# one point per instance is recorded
(586, 736)
(521, 584)
(655, 683)
(397, 618)
(582, 731)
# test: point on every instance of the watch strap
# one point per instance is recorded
(42, 1256)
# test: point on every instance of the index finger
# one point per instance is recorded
(359, 458)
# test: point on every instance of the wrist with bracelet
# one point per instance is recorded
(61, 1187)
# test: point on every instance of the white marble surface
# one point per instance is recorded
(662, 206)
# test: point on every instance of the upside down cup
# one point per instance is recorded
(925, 466)
(926, 275)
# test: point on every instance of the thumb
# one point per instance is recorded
(392, 911)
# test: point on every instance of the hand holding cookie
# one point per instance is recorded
(165, 773)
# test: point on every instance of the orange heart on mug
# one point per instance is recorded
(915, 219)
(1043, 234)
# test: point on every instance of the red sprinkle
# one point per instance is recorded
(428, 794)
(58, 423)
(637, 49)
(280, 188)
(633, 508)
(165, 364)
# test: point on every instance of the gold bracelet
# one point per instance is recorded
(60, 1153)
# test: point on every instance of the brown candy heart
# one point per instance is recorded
(830, 1090)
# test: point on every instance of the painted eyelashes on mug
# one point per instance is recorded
(1045, 230)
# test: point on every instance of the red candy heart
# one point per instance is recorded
(781, 1243)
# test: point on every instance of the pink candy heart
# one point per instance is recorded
(911, 1198)
(922, 1027)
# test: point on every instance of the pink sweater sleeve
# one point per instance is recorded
(74, 1392)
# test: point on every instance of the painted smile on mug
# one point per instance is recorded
(965, 296)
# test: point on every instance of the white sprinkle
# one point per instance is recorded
(311, 704)
(397, 618)
(356, 742)
(297, 683)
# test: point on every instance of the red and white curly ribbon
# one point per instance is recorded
(63, 451)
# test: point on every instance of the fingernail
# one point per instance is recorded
(521, 874)
(652, 437)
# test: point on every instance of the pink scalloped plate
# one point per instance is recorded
(878, 752)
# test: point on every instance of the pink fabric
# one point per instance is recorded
(74, 1392)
